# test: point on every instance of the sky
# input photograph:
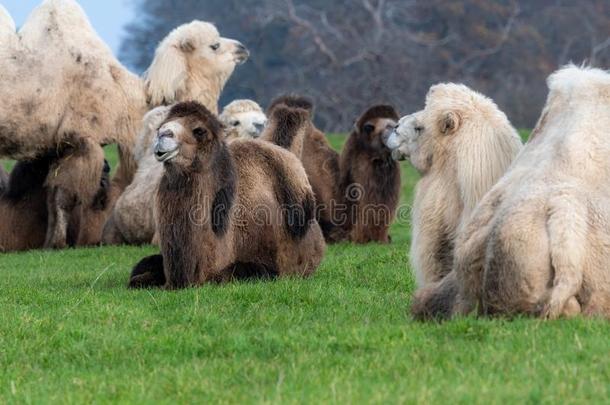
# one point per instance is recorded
(107, 16)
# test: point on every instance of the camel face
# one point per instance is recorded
(189, 133)
(249, 124)
(378, 131)
(193, 63)
(404, 139)
(223, 53)
(375, 131)
(243, 119)
(167, 147)
(216, 55)
(424, 136)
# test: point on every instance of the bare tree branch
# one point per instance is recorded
(484, 53)
(317, 38)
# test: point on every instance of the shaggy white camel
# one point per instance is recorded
(538, 243)
(461, 144)
(61, 85)
(243, 119)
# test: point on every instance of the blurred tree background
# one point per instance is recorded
(347, 54)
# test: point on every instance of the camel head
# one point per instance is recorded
(243, 119)
(374, 127)
(404, 140)
(193, 63)
(434, 134)
(189, 136)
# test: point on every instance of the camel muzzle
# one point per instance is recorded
(241, 54)
(391, 140)
(165, 149)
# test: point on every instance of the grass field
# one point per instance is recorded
(70, 332)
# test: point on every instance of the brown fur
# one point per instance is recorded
(61, 84)
(294, 101)
(321, 163)
(72, 182)
(95, 216)
(23, 208)
(3, 179)
(370, 178)
(287, 127)
(226, 211)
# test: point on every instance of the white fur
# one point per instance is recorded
(150, 123)
(60, 76)
(243, 119)
(403, 141)
(8, 35)
(458, 167)
(55, 77)
(6, 21)
(574, 81)
(550, 214)
(491, 138)
(188, 47)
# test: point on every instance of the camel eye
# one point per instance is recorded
(215, 46)
(200, 133)
(368, 128)
(235, 123)
(419, 129)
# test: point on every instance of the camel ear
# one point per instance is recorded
(167, 75)
(187, 45)
(449, 122)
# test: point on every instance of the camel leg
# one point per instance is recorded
(436, 300)
(598, 305)
(112, 234)
(72, 183)
(469, 255)
(156, 240)
(571, 309)
(148, 273)
(567, 227)
(63, 220)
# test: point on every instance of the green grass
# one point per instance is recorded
(70, 332)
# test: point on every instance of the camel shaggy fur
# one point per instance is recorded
(227, 210)
(461, 144)
(23, 207)
(370, 178)
(3, 179)
(133, 218)
(7, 27)
(321, 163)
(537, 244)
(287, 128)
(243, 119)
(61, 85)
